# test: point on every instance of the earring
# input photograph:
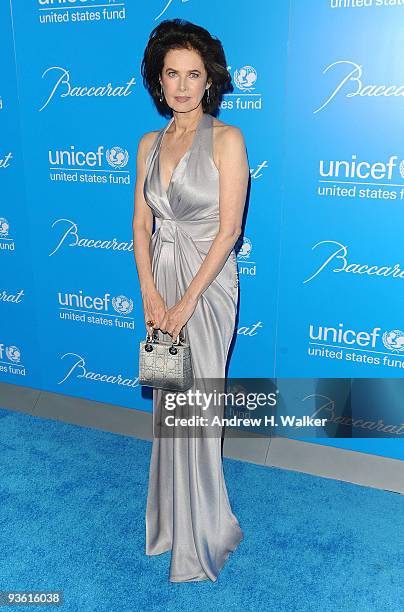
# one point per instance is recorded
(208, 95)
(161, 93)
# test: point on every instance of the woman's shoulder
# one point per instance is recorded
(146, 142)
(227, 136)
(148, 138)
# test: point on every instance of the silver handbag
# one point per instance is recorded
(165, 365)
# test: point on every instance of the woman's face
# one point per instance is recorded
(183, 79)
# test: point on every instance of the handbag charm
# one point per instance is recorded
(165, 365)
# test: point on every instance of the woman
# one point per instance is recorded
(192, 177)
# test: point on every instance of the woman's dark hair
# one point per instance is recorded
(181, 34)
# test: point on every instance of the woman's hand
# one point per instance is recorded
(154, 309)
(176, 317)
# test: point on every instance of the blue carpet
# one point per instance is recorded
(72, 519)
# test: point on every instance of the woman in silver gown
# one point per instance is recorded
(192, 178)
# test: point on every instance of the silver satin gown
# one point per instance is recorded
(188, 509)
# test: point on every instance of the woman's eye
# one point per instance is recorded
(193, 74)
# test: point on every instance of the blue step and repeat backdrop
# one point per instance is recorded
(318, 93)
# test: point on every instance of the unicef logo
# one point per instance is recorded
(246, 248)
(394, 340)
(122, 304)
(401, 168)
(4, 227)
(245, 78)
(117, 157)
(13, 354)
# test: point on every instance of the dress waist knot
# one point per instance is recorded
(200, 229)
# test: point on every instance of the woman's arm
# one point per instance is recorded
(234, 173)
(142, 224)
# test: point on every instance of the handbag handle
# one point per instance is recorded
(154, 338)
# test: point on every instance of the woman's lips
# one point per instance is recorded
(182, 98)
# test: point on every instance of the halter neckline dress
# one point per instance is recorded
(188, 509)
